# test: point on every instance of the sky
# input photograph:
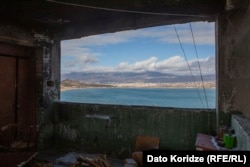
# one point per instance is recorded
(154, 49)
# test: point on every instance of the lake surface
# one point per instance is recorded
(162, 97)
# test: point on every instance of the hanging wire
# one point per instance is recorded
(188, 64)
(202, 80)
(126, 11)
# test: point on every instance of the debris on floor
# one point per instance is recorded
(91, 162)
(73, 159)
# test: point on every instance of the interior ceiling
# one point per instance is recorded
(65, 19)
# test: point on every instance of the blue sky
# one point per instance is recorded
(148, 49)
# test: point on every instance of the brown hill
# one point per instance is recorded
(76, 84)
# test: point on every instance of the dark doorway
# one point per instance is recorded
(17, 85)
(17, 104)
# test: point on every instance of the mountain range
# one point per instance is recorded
(132, 77)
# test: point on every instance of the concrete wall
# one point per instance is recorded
(241, 125)
(112, 129)
(48, 77)
(16, 35)
(234, 61)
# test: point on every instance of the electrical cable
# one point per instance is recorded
(202, 79)
(188, 64)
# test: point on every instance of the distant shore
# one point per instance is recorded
(147, 85)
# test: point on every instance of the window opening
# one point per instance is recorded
(104, 69)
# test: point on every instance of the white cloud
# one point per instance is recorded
(123, 65)
(148, 64)
(207, 65)
(171, 63)
(76, 55)
(83, 59)
(174, 64)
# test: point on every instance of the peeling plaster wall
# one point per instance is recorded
(49, 83)
(51, 73)
(111, 129)
(241, 125)
(234, 62)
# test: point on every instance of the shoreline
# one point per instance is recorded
(146, 85)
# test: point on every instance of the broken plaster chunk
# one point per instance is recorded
(68, 159)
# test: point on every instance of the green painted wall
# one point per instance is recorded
(111, 129)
